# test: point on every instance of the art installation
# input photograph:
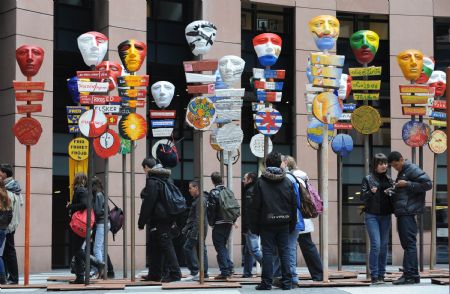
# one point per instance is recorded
(342, 144)
(438, 80)
(268, 48)
(364, 44)
(366, 120)
(107, 144)
(345, 86)
(93, 47)
(231, 68)
(438, 142)
(132, 127)
(427, 70)
(201, 113)
(327, 107)
(325, 29)
(415, 133)
(132, 53)
(410, 62)
(314, 132)
(29, 58)
(115, 70)
(200, 36)
(162, 93)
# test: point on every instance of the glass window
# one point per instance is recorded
(168, 10)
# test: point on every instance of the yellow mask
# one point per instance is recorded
(411, 63)
(325, 29)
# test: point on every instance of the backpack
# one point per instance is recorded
(229, 207)
(173, 200)
(79, 221)
(308, 206)
(315, 197)
(116, 219)
(99, 202)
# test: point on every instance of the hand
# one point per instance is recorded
(374, 189)
(401, 184)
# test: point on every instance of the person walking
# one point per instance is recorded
(98, 194)
(377, 215)
(273, 217)
(408, 198)
(6, 214)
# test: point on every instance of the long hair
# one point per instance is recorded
(80, 180)
(97, 185)
(290, 163)
(377, 159)
(5, 203)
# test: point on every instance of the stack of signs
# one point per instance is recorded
(129, 95)
(162, 122)
(438, 113)
(27, 129)
(73, 116)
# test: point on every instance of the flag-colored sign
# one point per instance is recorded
(440, 104)
(365, 85)
(259, 73)
(163, 123)
(133, 81)
(365, 71)
(268, 121)
(275, 86)
(98, 99)
(112, 119)
(132, 93)
(264, 96)
(424, 89)
(92, 87)
(366, 96)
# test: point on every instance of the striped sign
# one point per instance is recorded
(132, 93)
(133, 81)
(275, 86)
(162, 123)
(268, 121)
(259, 73)
(326, 83)
(326, 71)
(263, 96)
(326, 59)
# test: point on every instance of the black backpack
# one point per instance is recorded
(173, 200)
(116, 219)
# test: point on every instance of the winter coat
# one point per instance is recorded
(79, 200)
(246, 206)
(153, 210)
(410, 200)
(99, 207)
(274, 202)
(215, 194)
(303, 178)
(378, 203)
(15, 195)
(191, 229)
(300, 225)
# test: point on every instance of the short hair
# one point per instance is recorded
(216, 178)
(394, 156)
(194, 184)
(149, 162)
(290, 162)
(252, 176)
(377, 159)
(7, 169)
(273, 159)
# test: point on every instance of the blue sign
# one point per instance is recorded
(163, 123)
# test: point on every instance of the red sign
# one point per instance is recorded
(440, 104)
(409, 110)
(201, 65)
(133, 93)
(112, 119)
(343, 126)
(98, 99)
(29, 96)
(28, 108)
(28, 86)
(415, 89)
(95, 74)
(107, 144)
(27, 130)
(201, 89)
(162, 113)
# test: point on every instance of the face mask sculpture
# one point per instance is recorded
(132, 54)
(231, 68)
(438, 80)
(29, 58)
(268, 48)
(115, 70)
(325, 29)
(410, 62)
(93, 47)
(163, 92)
(200, 36)
(345, 86)
(364, 44)
(427, 70)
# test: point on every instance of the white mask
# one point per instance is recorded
(200, 36)
(231, 68)
(93, 47)
(342, 92)
(437, 76)
(163, 92)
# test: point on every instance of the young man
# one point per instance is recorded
(408, 200)
(191, 232)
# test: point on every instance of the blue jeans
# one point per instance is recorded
(251, 252)
(2, 246)
(98, 242)
(220, 235)
(190, 253)
(378, 228)
(292, 241)
(407, 232)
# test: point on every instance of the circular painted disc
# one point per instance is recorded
(107, 145)
(342, 144)
(268, 121)
(229, 137)
(313, 145)
(314, 132)
(27, 130)
(415, 133)
(366, 120)
(201, 113)
(235, 155)
(132, 127)
(327, 107)
(92, 123)
(257, 145)
(78, 149)
(438, 142)
(162, 141)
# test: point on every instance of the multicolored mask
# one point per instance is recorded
(115, 70)
(200, 35)
(345, 86)
(231, 68)
(411, 62)
(364, 44)
(438, 80)
(268, 48)
(427, 70)
(93, 47)
(29, 58)
(163, 92)
(325, 29)
(132, 54)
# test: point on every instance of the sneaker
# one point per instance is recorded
(221, 277)
(110, 275)
(375, 281)
(263, 287)
(170, 279)
(191, 278)
(381, 280)
(403, 280)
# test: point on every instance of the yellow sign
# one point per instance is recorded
(416, 89)
(326, 71)
(407, 110)
(438, 142)
(414, 99)
(74, 168)
(365, 71)
(79, 149)
(366, 85)
(366, 96)
(325, 59)
(326, 83)
(438, 123)
(366, 120)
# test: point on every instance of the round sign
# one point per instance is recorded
(132, 127)
(314, 132)
(162, 141)
(366, 120)
(438, 142)
(415, 133)
(229, 137)
(201, 113)
(312, 144)
(257, 145)
(79, 149)
(268, 121)
(107, 145)
(342, 144)
(327, 107)
(235, 155)
(92, 123)
(27, 130)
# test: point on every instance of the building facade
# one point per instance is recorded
(55, 25)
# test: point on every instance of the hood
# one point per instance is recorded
(300, 174)
(12, 185)
(160, 172)
(274, 174)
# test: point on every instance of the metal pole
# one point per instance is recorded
(27, 206)
(202, 213)
(366, 172)
(125, 212)
(319, 167)
(339, 187)
(106, 220)
(420, 216)
(89, 206)
(222, 165)
(230, 186)
(132, 209)
(433, 216)
(447, 71)
(324, 185)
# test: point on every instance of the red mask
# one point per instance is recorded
(439, 88)
(132, 54)
(29, 58)
(115, 70)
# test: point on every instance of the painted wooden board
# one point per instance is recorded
(349, 106)
(228, 109)
(132, 93)
(201, 89)
(345, 116)
(78, 149)
(92, 87)
(438, 123)
(18, 86)
(366, 96)
(438, 115)
(311, 88)
(365, 85)
(275, 86)
(259, 73)
(268, 96)
(98, 99)
(108, 108)
(162, 123)
(133, 81)
(414, 99)
(76, 109)
(410, 110)
(73, 118)
(112, 119)
(200, 78)
(229, 137)
(27, 130)
(365, 71)
(230, 92)
(257, 145)
(74, 129)
(94, 74)
(326, 59)
(132, 103)
(162, 113)
(425, 89)
(326, 71)
(325, 83)
(257, 106)
(29, 96)
(200, 65)
(29, 108)
(162, 132)
(343, 126)
(440, 104)
(268, 121)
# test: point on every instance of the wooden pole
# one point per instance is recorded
(230, 186)
(448, 144)
(106, 220)
(433, 216)
(366, 172)
(125, 214)
(27, 207)
(132, 208)
(324, 184)
(202, 214)
(339, 192)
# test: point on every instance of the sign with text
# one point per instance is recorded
(29, 86)
(366, 96)
(325, 59)
(133, 81)
(76, 109)
(424, 89)
(92, 87)
(29, 96)
(201, 89)
(230, 92)
(410, 110)
(343, 126)
(201, 65)
(365, 71)
(414, 99)
(325, 83)
(438, 123)
(98, 99)
(326, 71)
(132, 93)
(107, 108)
(259, 73)
(440, 104)
(29, 108)
(162, 113)
(366, 85)
(162, 132)
(263, 96)
(276, 86)
(94, 74)
(162, 123)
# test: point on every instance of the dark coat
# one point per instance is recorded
(247, 200)
(274, 202)
(410, 200)
(378, 203)
(191, 229)
(79, 200)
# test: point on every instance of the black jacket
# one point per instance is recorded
(99, 206)
(410, 200)
(274, 202)
(152, 207)
(214, 193)
(79, 200)
(376, 203)
(191, 229)
(246, 206)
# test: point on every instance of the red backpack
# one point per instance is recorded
(79, 220)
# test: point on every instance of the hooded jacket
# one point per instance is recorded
(191, 229)
(79, 200)
(410, 200)
(15, 195)
(152, 207)
(274, 202)
(378, 203)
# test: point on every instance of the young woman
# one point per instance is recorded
(375, 190)
(5, 219)
(99, 202)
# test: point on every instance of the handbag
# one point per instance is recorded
(79, 221)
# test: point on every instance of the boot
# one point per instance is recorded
(2, 279)
(99, 265)
(78, 280)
